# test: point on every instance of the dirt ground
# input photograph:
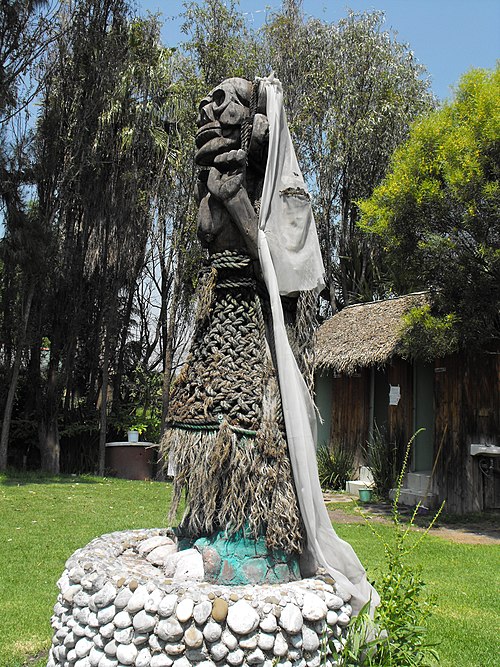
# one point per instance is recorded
(476, 529)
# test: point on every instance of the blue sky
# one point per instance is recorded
(447, 36)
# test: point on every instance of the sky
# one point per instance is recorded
(447, 36)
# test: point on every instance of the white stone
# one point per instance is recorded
(184, 609)
(78, 630)
(280, 645)
(108, 662)
(140, 638)
(189, 566)
(212, 631)
(266, 641)
(126, 653)
(193, 638)
(229, 640)
(82, 662)
(159, 555)
(310, 640)
(144, 622)
(205, 663)
(314, 608)
(343, 619)
(167, 605)
(182, 662)
(82, 615)
(269, 623)
(347, 608)
(334, 602)
(146, 546)
(175, 649)
(99, 641)
(291, 619)
(161, 660)
(294, 654)
(123, 619)
(106, 614)
(144, 658)
(169, 629)
(315, 660)
(154, 643)
(153, 601)
(92, 620)
(124, 595)
(90, 632)
(202, 611)
(296, 640)
(256, 657)
(242, 618)
(70, 640)
(110, 648)
(124, 636)
(249, 643)
(107, 630)
(72, 657)
(235, 657)
(331, 617)
(219, 651)
(104, 597)
(83, 646)
(63, 582)
(138, 599)
(343, 594)
(94, 656)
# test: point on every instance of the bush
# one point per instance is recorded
(335, 466)
(381, 457)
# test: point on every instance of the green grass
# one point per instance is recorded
(44, 519)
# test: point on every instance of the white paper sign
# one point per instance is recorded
(394, 395)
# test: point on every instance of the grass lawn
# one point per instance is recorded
(43, 520)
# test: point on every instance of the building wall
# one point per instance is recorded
(467, 400)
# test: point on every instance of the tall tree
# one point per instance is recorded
(351, 92)
(438, 215)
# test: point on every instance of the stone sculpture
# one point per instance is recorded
(242, 420)
(227, 433)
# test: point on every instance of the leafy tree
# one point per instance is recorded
(351, 92)
(438, 216)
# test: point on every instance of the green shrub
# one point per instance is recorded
(335, 466)
(381, 458)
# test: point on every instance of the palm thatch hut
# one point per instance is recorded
(363, 383)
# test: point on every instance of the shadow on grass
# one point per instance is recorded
(21, 478)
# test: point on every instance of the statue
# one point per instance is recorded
(241, 426)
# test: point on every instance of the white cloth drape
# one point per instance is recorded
(290, 259)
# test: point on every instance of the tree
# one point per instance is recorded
(351, 92)
(437, 214)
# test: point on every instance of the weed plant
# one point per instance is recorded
(397, 636)
(335, 466)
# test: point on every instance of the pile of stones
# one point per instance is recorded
(123, 602)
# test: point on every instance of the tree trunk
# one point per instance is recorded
(49, 430)
(103, 416)
(9, 404)
(168, 346)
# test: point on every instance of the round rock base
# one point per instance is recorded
(120, 604)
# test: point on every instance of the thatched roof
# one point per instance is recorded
(366, 334)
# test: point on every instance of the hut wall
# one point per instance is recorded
(467, 391)
(400, 416)
(351, 410)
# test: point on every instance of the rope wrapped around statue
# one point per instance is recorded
(241, 425)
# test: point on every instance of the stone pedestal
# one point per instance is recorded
(130, 598)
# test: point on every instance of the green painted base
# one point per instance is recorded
(238, 559)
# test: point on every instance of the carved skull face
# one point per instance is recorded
(220, 117)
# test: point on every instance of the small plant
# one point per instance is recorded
(396, 637)
(381, 458)
(335, 466)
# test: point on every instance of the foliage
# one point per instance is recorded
(437, 214)
(381, 458)
(404, 606)
(141, 405)
(428, 336)
(352, 91)
(335, 466)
